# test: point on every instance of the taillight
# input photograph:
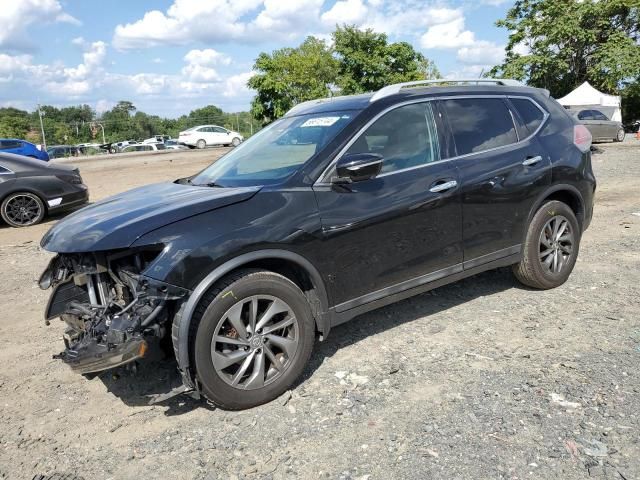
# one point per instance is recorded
(582, 138)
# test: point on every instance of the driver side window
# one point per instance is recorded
(405, 137)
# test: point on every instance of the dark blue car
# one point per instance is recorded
(22, 147)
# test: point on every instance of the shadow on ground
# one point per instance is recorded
(158, 374)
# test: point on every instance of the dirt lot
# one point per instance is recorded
(480, 379)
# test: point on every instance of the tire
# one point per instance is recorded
(619, 136)
(235, 142)
(253, 377)
(22, 209)
(200, 144)
(550, 252)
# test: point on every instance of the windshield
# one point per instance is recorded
(276, 152)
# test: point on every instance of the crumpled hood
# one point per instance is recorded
(118, 221)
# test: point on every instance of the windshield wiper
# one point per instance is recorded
(209, 184)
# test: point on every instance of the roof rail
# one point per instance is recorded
(396, 87)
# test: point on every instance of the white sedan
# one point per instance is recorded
(206, 135)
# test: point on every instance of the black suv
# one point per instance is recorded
(343, 205)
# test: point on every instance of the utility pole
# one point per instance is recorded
(44, 140)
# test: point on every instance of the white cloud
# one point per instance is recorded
(186, 21)
(236, 85)
(256, 21)
(448, 35)
(481, 53)
(346, 11)
(196, 84)
(17, 16)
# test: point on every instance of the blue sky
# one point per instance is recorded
(170, 56)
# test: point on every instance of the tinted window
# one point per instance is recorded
(275, 152)
(7, 144)
(219, 130)
(204, 129)
(585, 115)
(480, 124)
(530, 114)
(598, 115)
(405, 137)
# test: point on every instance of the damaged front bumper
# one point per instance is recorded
(112, 310)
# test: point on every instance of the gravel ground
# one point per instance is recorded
(483, 379)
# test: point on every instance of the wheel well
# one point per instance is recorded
(294, 272)
(569, 198)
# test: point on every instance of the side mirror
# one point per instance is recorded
(359, 166)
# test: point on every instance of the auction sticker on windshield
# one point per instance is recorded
(320, 122)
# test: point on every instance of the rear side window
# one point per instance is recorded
(599, 115)
(479, 124)
(530, 114)
(405, 137)
(8, 144)
(585, 115)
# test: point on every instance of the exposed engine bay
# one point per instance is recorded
(111, 309)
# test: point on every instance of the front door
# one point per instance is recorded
(502, 170)
(400, 229)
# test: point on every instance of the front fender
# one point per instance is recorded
(182, 321)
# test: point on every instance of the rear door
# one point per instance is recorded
(503, 170)
(400, 229)
(220, 136)
(608, 128)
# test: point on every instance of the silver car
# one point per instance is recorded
(602, 129)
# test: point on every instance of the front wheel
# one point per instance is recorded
(22, 209)
(254, 338)
(551, 247)
(235, 142)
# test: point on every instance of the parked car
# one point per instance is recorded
(143, 147)
(174, 145)
(157, 139)
(602, 129)
(63, 151)
(117, 147)
(30, 189)
(22, 147)
(340, 207)
(206, 135)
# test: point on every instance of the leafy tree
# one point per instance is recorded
(367, 62)
(360, 61)
(568, 42)
(291, 75)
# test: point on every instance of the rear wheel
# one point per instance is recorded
(201, 144)
(22, 209)
(551, 247)
(620, 135)
(254, 337)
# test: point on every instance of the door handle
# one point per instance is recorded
(532, 160)
(442, 187)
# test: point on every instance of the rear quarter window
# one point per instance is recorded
(4, 170)
(479, 124)
(9, 144)
(530, 114)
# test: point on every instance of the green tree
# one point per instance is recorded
(14, 123)
(568, 42)
(291, 75)
(360, 61)
(368, 62)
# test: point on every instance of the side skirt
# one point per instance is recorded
(392, 295)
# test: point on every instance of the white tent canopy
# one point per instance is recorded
(587, 96)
